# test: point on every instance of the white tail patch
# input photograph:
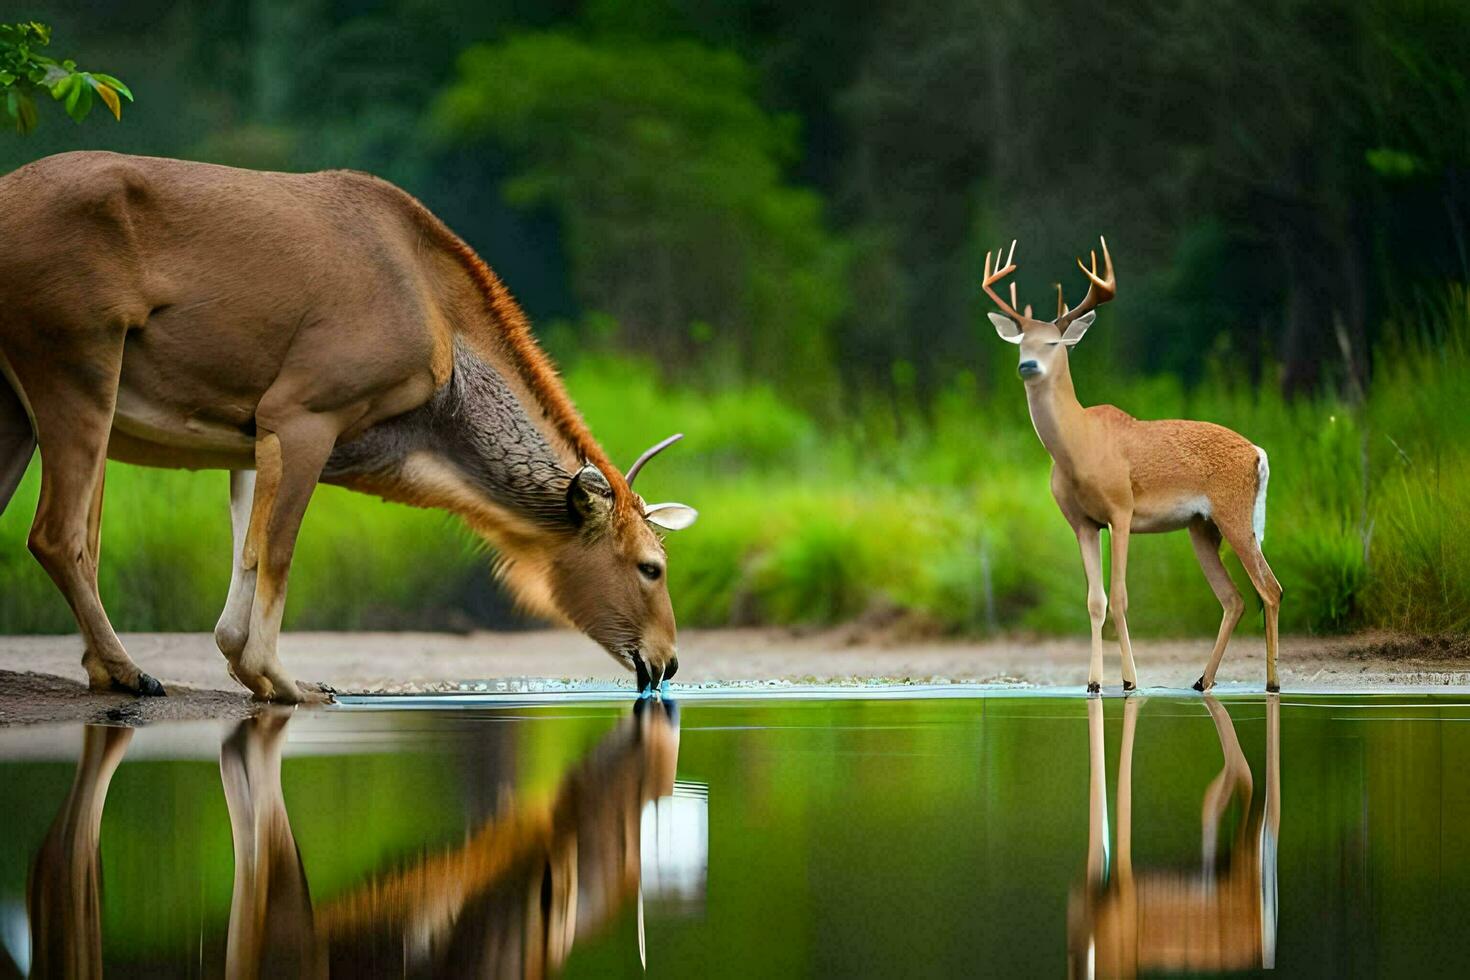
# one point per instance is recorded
(1263, 476)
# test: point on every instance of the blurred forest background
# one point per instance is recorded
(762, 223)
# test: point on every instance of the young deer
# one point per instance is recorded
(1137, 477)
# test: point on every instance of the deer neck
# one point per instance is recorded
(1059, 419)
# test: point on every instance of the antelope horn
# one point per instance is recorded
(649, 453)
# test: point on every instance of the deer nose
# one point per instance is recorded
(673, 669)
(1029, 369)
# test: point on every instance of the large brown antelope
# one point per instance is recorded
(1219, 918)
(296, 328)
(1137, 477)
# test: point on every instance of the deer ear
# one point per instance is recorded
(1009, 330)
(589, 497)
(670, 517)
(1077, 328)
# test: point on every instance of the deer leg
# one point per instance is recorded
(1125, 792)
(1089, 539)
(1097, 794)
(1234, 780)
(1243, 540)
(233, 627)
(1118, 598)
(288, 463)
(73, 423)
(1206, 540)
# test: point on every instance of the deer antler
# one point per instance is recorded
(1099, 289)
(649, 453)
(991, 278)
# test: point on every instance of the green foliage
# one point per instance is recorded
(24, 71)
(943, 517)
(783, 207)
(667, 176)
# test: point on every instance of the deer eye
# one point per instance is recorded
(1052, 343)
(649, 571)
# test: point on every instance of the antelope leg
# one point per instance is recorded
(288, 463)
(233, 628)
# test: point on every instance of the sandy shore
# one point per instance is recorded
(41, 677)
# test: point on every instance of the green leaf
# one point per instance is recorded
(108, 95)
(6, 78)
(79, 100)
(22, 109)
(116, 83)
(1393, 163)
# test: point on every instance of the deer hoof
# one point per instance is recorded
(1273, 688)
(147, 687)
(1129, 688)
(1093, 687)
(1199, 685)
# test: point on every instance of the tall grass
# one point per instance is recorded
(942, 512)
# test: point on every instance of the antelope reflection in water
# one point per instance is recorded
(1220, 917)
(527, 884)
(64, 891)
(510, 901)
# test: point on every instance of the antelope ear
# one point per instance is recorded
(670, 517)
(1009, 330)
(1077, 328)
(589, 497)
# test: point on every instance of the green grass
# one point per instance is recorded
(942, 513)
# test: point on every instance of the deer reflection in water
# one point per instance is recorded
(509, 902)
(1221, 917)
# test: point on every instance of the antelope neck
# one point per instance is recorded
(475, 424)
(1056, 415)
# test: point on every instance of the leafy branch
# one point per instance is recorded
(24, 72)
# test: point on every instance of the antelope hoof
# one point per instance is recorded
(1271, 688)
(1201, 686)
(315, 693)
(147, 687)
(1129, 687)
(1093, 687)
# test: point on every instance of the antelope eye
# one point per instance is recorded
(649, 570)
(1052, 343)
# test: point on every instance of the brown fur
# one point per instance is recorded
(186, 315)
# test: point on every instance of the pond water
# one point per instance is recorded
(751, 836)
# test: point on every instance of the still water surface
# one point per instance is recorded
(1008, 836)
